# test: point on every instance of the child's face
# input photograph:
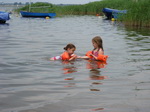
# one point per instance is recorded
(71, 51)
(94, 44)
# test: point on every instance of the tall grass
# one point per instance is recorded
(138, 11)
(138, 14)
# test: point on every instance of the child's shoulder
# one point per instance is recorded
(101, 51)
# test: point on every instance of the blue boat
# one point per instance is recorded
(4, 16)
(35, 14)
(113, 13)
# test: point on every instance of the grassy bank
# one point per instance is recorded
(138, 10)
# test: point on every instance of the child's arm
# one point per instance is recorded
(82, 57)
(93, 56)
(55, 58)
(73, 57)
(52, 59)
(101, 52)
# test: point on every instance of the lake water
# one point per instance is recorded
(29, 82)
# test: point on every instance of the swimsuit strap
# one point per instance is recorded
(95, 53)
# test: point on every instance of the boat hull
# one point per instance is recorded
(113, 13)
(4, 16)
(34, 14)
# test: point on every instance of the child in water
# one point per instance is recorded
(68, 54)
(98, 52)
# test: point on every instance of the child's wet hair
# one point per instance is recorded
(70, 46)
(98, 40)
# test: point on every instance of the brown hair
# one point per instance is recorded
(69, 46)
(98, 41)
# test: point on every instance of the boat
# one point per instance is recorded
(30, 13)
(4, 16)
(35, 14)
(113, 13)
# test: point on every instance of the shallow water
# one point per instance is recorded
(30, 82)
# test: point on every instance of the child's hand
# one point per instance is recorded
(75, 56)
(52, 59)
(91, 54)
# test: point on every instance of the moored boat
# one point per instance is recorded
(4, 16)
(113, 13)
(35, 14)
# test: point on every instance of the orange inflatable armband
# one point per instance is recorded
(88, 54)
(65, 56)
(102, 57)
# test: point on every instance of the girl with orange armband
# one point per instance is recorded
(67, 55)
(98, 52)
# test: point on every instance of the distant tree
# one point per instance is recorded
(15, 3)
(27, 3)
(19, 3)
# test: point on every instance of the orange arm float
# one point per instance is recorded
(65, 56)
(88, 54)
(102, 57)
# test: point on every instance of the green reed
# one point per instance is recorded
(138, 11)
(138, 14)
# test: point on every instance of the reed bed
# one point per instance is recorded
(138, 11)
(138, 14)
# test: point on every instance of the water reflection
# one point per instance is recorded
(97, 109)
(95, 64)
(68, 69)
(140, 31)
(5, 24)
(95, 75)
(70, 85)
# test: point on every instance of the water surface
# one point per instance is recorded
(30, 82)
